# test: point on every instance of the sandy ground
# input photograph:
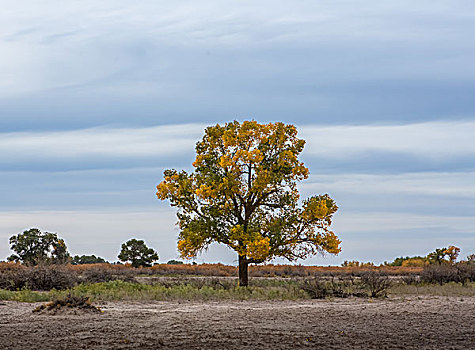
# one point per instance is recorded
(410, 323)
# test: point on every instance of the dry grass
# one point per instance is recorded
(448, 289)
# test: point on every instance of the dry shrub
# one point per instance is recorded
(271, 270)
(194, 270)
(9, 266)
(338, 287)
(220, 270)
(68, 303)
(371, 283)
(42, 277)
(445, 273)
(316, 289)
(96, 275)
(377, 282)
(47, 277)
(466, 272)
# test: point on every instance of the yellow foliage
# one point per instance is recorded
(316, 209)
(415, 262)
(205, 192)
(187, 249)
(258, 249)
(330, 243)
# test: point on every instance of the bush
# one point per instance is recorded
(41, 277)
(317, 289)
(378, 283)
(466, 272)
(440, 274)
(338, 287)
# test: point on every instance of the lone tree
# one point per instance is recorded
(243, 193)
(137, 252)
(33, 247)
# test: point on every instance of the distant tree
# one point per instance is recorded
(437, 257)
(174, 262)
(409, 261)
(471, 259)
(33, 247)
(444, 255)
(355, 263)
(87, 259)
(243, 193)
(452, 253)
(137, 252)
(415, 261)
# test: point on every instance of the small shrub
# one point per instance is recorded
(316, 289)
(338, 287)
(378, 283)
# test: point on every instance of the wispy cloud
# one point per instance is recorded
(78, 62)
(437, 142)
(445, 184)
(89, 144)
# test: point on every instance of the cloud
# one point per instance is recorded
(434, 140)
(435, 143)
(92, 64)
(90, 146)
(445, 184)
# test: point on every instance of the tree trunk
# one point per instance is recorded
(243, 276)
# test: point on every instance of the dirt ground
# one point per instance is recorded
(396, 323)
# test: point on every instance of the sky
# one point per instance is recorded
(97, 98)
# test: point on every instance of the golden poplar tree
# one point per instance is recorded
(243, 193)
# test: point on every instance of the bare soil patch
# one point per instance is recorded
(412, 323)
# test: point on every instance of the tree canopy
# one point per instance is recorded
(137, 252)
(87, 259)
(243, 193)
(33, 247)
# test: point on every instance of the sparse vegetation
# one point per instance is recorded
(42, 277)
(178, 281)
